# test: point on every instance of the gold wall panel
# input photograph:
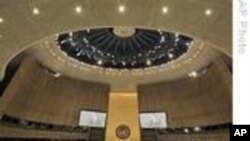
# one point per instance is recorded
(123, 110)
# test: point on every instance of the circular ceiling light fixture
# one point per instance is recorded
(148, 62)
(208, 12)
(199, 72)
(123, 47)
(193, 74)
(36, 11)
(186, 130)
(1, 20)
(99, 62)
(164, 9)
(121, 9)
(197, 129)
(78, 9)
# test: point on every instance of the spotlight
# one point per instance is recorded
(197, 129)
(170, 55)
(164, 10)
(208, 12)
(148, 62)
(198, 73)
(123, 63)
(177, 35)
(99, 62)
(36, 11)
(186, 130)
(193, 74)
(121, 9)
(56, 75)
(70, 34)
(1, 20)
(78, 9)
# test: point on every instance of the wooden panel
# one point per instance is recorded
(205, 100)
(35, 95)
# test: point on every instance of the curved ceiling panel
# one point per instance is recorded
(26, 22)
(199, 55)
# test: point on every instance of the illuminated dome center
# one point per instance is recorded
(124, 47)
(122, 31)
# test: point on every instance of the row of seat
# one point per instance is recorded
(98, 134)
(159, 135)
(6, 120)
(16, 128)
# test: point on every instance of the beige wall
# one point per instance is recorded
(205, 100)
(35, 95)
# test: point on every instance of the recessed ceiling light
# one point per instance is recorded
(170, 55)
(56, 75)
(197, 129)
(123, 63)
(99, 62)
(164, 10)
(186, 130)
(36, 11)
(78, 9)
(70, 34)
(208, 12)
(148, 62)
(1, 20)
(193, 74)
(177, 35)
(121, 9)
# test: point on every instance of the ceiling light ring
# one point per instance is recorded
(141, 57)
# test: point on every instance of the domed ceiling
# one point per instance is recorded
(124, 47)
(158, 33)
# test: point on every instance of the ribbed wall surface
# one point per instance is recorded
(35, 95)
(205, 100)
